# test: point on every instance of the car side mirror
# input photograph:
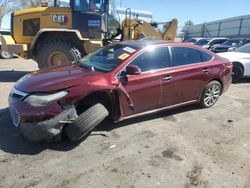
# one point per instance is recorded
(133, 70)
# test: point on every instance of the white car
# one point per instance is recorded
(241, 61)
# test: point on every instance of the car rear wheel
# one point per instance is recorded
(210, 94)
(86, 122)
(5, 54)
(238, 71)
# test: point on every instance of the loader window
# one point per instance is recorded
(31, 27)
(81, 5)
(89, 5)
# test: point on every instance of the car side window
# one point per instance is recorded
(152, 59)
(185, 56)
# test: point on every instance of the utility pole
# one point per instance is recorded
(120, 3)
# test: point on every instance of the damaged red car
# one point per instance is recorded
(119, 81)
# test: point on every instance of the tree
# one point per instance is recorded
(185, 29)
(7, 6)
(4, 9)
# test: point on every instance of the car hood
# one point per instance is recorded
(54, 78)
(234, 55)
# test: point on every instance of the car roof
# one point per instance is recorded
(143, 43)
(218, 38)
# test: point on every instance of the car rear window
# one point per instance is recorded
(205, 56)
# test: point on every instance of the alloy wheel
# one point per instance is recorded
(212, 95)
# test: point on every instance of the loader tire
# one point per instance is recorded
(86, 122)
(54, 53)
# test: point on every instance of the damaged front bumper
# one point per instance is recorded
(48, 130)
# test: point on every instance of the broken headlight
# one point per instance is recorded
(42, 99)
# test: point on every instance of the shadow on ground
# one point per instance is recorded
(11, 75)
(166, 115)
(12, 142)
(243, 81)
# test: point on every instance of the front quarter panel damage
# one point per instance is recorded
(48, 130)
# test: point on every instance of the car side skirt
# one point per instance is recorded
(157, 110)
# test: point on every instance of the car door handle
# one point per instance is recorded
(205, 70)
(167, 78)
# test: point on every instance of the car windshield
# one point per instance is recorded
(191, 40)
(107, 58)
(230, 42)
(244, 49)
(4, 32)
(202, 42)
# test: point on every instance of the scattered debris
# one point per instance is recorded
(113, 146)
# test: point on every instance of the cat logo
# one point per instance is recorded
(59, 18)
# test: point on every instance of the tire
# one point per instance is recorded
(238, 72)
(55, 53)
(5, 54)
(210, 94)
(86, 122)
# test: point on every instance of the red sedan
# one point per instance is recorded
(119, 81)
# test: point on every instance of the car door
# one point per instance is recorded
(189, 72)
(145, 89)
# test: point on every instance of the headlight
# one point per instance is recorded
(42, 99)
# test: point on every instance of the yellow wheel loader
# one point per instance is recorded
(58, 35)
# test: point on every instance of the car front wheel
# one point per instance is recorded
(210, 94)
(86, 122)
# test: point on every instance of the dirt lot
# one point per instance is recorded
(187, 147)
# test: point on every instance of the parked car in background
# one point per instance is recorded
(202, 42)
(241, 61)
(214, 42)
(3, 53)
(228, 44)
(194, 40)
(233, 48)
(122, 81)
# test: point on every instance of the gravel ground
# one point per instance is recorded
(185, 147)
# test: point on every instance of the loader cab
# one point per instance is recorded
(95, 19)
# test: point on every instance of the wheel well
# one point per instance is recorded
(46, 36)
(108, 98)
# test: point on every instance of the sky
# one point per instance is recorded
(198, 11)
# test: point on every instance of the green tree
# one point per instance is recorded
(185, 29)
